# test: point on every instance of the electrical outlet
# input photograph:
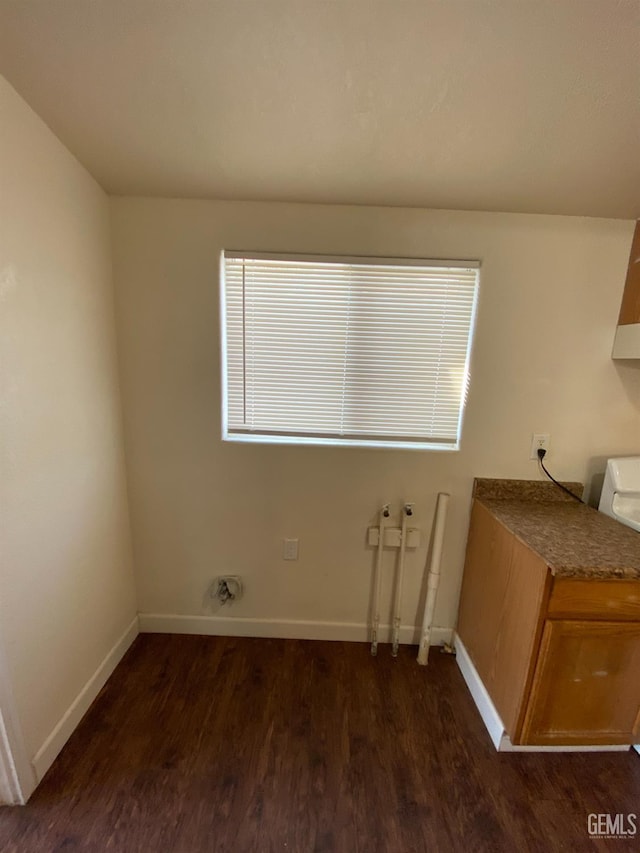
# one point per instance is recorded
(290, 549)
(393, 537)
(539, 440)
(413, 537)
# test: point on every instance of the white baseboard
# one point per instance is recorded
(491, 718)
(49, 750)
(485, 706)
(17, 779)
(11, 792)
(289, 629)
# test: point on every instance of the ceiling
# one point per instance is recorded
(511, 105)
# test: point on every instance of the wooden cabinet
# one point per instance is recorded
(585, 688)
(560, 657)
(626, 343)
(630, 308)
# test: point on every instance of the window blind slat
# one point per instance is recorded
(346, 349)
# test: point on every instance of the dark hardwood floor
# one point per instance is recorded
(219, 744)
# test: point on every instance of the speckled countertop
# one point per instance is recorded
(574, 540)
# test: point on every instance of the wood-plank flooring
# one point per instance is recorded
(222, 744)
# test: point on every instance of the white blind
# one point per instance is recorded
(346, 350)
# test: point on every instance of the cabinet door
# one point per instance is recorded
(486, 576)
(500, 613)
(586, 687)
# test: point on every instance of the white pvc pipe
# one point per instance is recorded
(377, 581)
(406, 511)
(433, 578)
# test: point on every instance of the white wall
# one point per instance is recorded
(550, 293)
(66, 582)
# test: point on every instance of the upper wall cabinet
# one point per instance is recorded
(627, 340)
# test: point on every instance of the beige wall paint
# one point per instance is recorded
(550, 293)
(66, 583)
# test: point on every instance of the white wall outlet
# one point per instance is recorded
(393, 537)
(290, 549)
(413, 537)
(539, 440)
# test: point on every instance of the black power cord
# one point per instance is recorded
(541, 454)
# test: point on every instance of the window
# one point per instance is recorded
(352, 351)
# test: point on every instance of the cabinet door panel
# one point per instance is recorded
(500, 612)
(486, 575)
(586, 687)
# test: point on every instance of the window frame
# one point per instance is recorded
(264, 436)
